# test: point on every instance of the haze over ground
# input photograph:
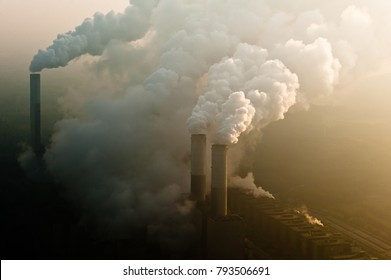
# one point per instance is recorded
(323, 152)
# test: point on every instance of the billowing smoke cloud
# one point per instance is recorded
(314, 63)
(93, 35)
(243, 91)
(227, 68)
(250, 90)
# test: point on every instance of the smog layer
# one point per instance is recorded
(166, 69)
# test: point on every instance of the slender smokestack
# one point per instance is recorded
(35, 112)
(219, 180)
(198, 159)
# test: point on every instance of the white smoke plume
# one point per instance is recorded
(227, 68)
(305, 46)
(268, 87)
(248, 185)
(93, 35)
(243, 91)
(316, 57)
(303, 210)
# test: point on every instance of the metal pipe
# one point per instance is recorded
(219, 180)
(198, 162)
(35, 112)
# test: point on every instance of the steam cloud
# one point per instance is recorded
(303, 210)
(93, 35)
(243, 91)
(225, 68)
(248, 185)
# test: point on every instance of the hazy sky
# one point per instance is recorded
(26, 26)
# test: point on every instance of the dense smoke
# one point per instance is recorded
(243, 91)
(251, 90)
(225, 68)
(93, 35)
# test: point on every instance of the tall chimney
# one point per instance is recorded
(35, 112)
(219, 179)
(198, 159)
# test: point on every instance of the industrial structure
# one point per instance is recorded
(35, 113)
(233, 224)
(198, 162)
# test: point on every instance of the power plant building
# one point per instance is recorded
(233, 224)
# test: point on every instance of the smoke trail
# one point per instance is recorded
(93, 35)
(303, 210)
(249, 186)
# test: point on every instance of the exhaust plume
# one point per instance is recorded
(244, 91)
(314, 64)
(248, 185)
(303, 210)
(93, 35)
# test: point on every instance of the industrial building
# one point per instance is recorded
(233, 224)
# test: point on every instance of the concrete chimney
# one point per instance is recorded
(198, 160)
(219, 180)
(35, 112)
